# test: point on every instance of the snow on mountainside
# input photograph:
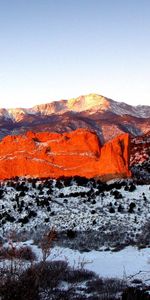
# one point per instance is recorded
(50, 108)
(17, 114)
(91, 102)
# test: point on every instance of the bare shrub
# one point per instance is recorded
(144, 236)
(106, 288)
(78, 275)
(46, 243)
(23, 253)
(20, 280)
(132, 293)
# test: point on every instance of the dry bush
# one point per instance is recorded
(46, 243)
(79, 275)
(23, 253)
(106, 288)
(132, 293)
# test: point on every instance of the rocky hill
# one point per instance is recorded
(106, 117)
(78, 153)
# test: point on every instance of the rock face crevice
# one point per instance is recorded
(78, 153)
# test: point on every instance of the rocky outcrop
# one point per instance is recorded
(114, 159)
(53, 155)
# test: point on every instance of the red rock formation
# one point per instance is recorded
(114, 160)
(53, 155)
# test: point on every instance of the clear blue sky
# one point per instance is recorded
(59, 49)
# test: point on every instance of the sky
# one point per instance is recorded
(60, 49)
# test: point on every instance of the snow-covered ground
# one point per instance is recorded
(119, 210)
(122, 264)
(128, 264)
(93, 217)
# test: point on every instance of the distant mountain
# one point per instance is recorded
(94, 112)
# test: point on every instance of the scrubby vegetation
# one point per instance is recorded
(81, 210)
(23, 276)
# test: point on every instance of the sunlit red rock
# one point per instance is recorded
(114, 160)
(53, 155)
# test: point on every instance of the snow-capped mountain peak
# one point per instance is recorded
(92, 102)
(88, 102)
(105, 116)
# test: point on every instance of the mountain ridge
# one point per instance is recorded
(90, 102)
(108, 118)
